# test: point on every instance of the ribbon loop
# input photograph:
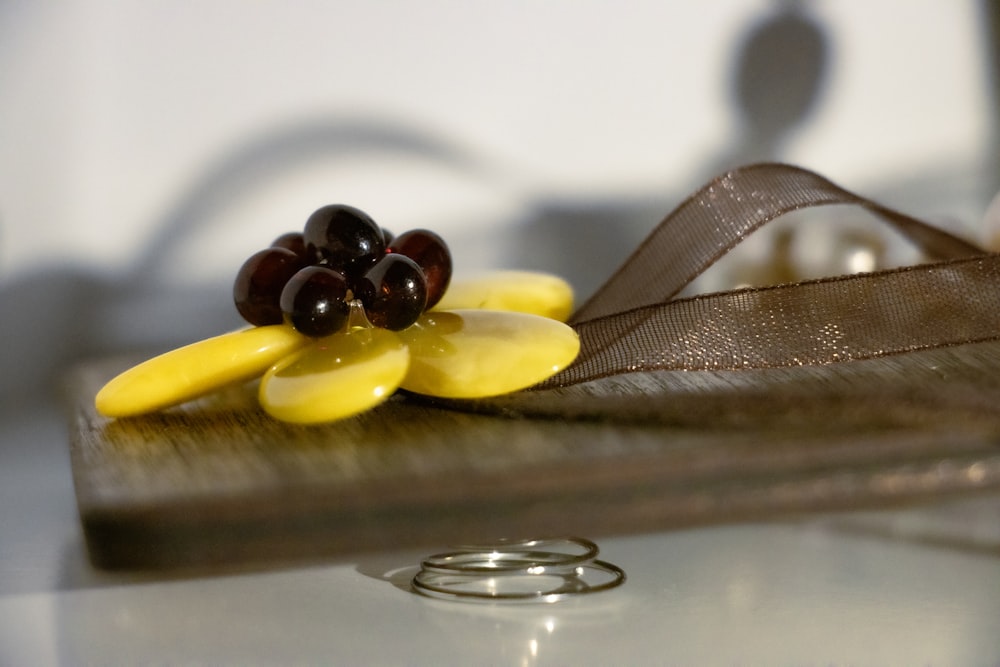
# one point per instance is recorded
(715, 219)
(634, 323)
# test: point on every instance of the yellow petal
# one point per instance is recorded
(196, 369)
(336, 377)
(518, 291)
(479, 353)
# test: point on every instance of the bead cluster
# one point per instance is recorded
(342, 259)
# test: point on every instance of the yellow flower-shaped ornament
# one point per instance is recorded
(333, 339)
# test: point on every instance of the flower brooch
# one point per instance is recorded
(345, 314)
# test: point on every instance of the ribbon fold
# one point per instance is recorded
(634, 323)
(921, 341)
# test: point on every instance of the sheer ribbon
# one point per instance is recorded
(635, 325)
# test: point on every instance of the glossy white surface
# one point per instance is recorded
(916, 586)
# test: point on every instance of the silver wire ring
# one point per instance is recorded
(517, 571)
(507, 556)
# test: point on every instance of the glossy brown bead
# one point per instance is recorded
(431, 254)
(393, 291)
(314, 301)
(295, 242)
(344, 238)
(259, 282)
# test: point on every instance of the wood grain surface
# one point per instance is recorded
(219, 483)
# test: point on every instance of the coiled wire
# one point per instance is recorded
(545, 570)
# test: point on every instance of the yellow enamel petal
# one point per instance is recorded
(196, 369)
(518, 291)
(336, 377)
(480, 353)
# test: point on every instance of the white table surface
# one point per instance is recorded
(918, 586)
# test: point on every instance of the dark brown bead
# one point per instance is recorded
(344, 238)
(431, 254)
(295, 242)
(315, 301)
(258, 285)
(393, 291)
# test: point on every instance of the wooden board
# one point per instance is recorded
(218, 483)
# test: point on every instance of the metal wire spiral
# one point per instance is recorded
(547, 570)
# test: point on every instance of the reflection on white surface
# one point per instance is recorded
(788, 594)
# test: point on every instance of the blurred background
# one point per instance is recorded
(147, 148)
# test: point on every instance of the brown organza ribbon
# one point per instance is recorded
(632, 324)
(740, 340)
